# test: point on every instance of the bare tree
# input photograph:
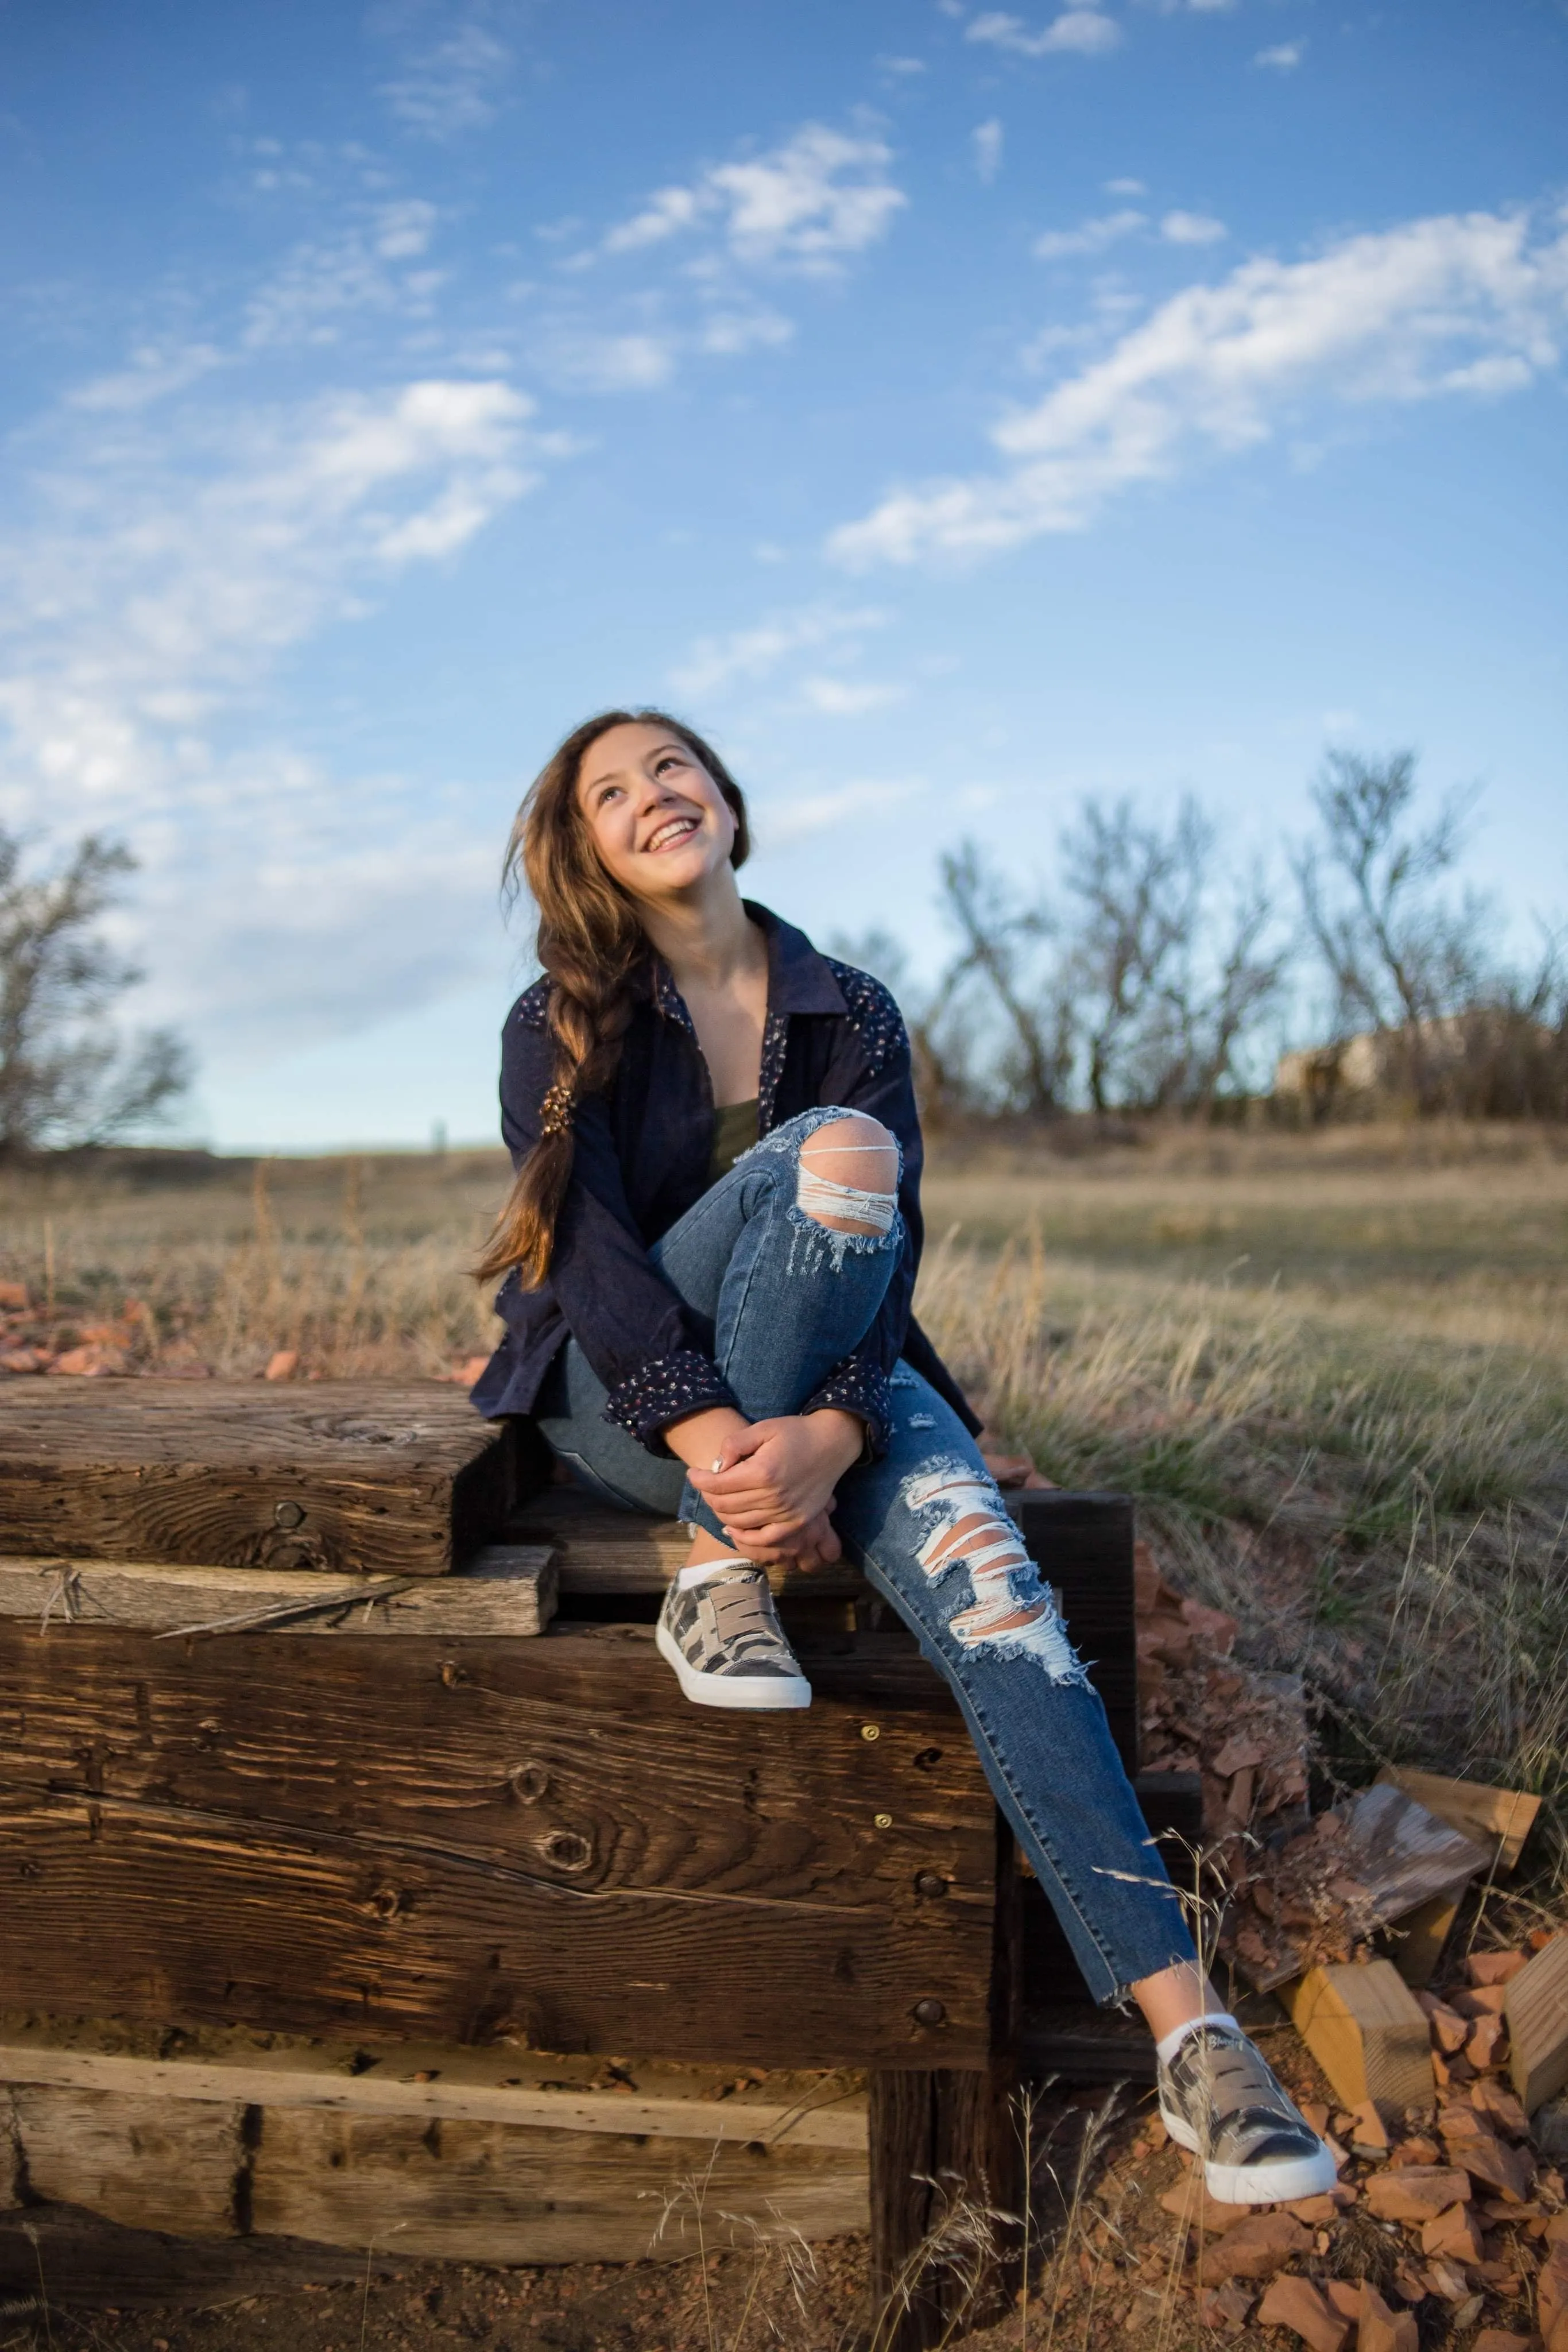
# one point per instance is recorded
(1166, 968)
(1398, 953)
(65, 1075)
(996, 933)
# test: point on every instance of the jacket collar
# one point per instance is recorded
(799, 979)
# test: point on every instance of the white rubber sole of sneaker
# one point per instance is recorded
(763, 1694)
(1256, 2184)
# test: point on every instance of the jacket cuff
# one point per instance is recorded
(665, 1388)
(855, 1386)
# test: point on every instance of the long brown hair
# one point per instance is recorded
(591, 946)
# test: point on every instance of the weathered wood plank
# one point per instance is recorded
(941, 2141)
(148, 2164)
(1367, 2031)
(466, 1840)
(1499, 1818)
(1536, 2008)
(504, 1590)
(157, 1914)
(435, 2082)
(485, 2192)
(574, 1760)
(401, 1479)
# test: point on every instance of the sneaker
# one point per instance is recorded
(1220, 2099)
(725, 1641)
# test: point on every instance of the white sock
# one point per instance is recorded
(703, 1568)
(1166, 2049)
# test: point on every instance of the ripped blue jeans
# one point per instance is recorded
(787, 1300)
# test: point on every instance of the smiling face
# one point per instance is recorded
(657, 819)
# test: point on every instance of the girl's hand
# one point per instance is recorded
(774, 1482)
(816, 1546)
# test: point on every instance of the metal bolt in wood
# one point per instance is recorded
(871, 1731)
(883, 1821)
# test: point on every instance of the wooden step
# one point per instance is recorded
(457, 2154)
(471, 1838)
(397, 1479)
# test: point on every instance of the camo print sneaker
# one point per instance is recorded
(725, 1641)
(1218, 2098)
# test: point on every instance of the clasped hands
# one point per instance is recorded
(770, 1484)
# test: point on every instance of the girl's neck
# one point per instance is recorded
(707, 939)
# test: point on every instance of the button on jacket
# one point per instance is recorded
(834, 1036)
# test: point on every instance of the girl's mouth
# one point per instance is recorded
(673, 831)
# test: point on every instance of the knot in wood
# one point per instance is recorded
(287, 1514)
(452, 1673)
(931, 1883)
(567, 1850)
(387, 1902)
(928, 1760)
(529, 1783)
(929, 2013)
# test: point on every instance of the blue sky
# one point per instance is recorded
(954, 411)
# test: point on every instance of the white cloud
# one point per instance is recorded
(847, 698)
(1089, 236)
(804, 205)
(1126, 188)
(153, 374)
(987, 140)
(161, 577)
(782, 822)
(730, 333)
(1451, 304)
(404, 230)
(1285, 56)
(1192, 228)
(609, 362)
(1082, 31)
(453, 86)
(716, 662)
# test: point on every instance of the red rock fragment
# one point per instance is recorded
(282, 1364)
(1499, 2339)
(1494, 2100)
(1449, 2029)
(1494, 1968)
(1295, 2303)
(1226, 2308)
(1481, 2001)
(1454, 2235)
(1552, 2292)
(1485, 2045)
(1346, 2296)
(1416, 2192)
(1257, 2247)
(1382, 2330)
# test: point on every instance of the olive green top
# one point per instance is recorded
(734, 1132)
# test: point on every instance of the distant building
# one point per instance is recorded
(1383, 1061)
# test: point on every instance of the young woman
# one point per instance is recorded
(709, 1253)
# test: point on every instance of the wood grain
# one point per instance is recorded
(1536, 2008)
(506, 1590)
(436, 2082)
(469, 1839)
(151, 2164)
(395, 1479)
(1365, 2030)
(486, 2192)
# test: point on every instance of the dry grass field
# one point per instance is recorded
(1334, 1369)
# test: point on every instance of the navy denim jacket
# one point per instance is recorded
(833, 1036)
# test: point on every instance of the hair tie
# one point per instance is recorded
(555, 1111)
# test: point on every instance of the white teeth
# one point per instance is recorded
(672, 832)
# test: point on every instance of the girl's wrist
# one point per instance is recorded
(701, 1437)
(842, 1435)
